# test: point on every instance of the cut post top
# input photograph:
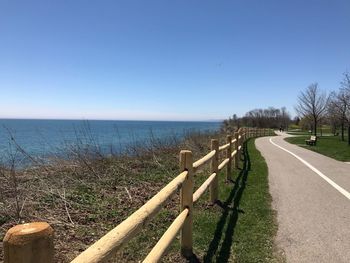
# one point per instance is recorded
(25, 232)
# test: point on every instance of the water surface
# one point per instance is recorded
(41, 138)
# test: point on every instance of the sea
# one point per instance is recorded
(47, 138)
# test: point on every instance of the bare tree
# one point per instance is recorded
(338, 109)
(345, 91)
(285, 118)
(262, 118)
(333, 114)
(312, 103)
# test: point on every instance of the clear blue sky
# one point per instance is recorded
(158, 60)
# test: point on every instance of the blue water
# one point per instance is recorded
(42, 138)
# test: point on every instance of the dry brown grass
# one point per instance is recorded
(84, 197)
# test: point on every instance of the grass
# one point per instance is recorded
(299, 133)
(82, 199)
(331, 146)
(242, 225)
(310, 133)
(295, 130)
(243, 228)
(240, 228)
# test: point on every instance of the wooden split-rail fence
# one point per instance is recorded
(33, 242)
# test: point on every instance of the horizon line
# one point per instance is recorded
(86, 119)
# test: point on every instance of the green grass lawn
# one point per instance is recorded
(299, 133)
(324, 133)
(241, 228)
(330, 146)
(295, 130)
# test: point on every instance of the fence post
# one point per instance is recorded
(228, 155)
(236, 149)
(186, 201)
(239, 144)
(27, 243)
(214, 191)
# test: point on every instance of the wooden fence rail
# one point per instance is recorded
(106, 247)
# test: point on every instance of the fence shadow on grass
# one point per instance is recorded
(229, 216)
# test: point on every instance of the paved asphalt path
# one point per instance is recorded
(313, 212)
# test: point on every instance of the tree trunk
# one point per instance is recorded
(349, 134)
(315, 127)
(334, 129)
(342, 131)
